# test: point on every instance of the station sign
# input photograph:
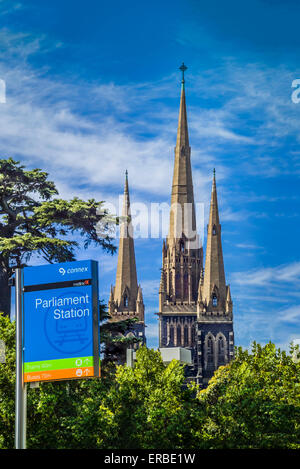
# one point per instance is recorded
(61, 321)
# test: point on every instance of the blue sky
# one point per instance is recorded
(92, 89)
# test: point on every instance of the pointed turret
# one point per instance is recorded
(140, 295)
(214, 285)
(162, 290)
(126, 288)
(228, 300)
(200, 300)
(140, 308)
(111, 299)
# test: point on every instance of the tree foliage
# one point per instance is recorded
(254, 402)
(34, 221)
(60, 414)
(113, 341)
(7, 383)
(147, 406)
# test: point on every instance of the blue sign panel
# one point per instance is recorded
(61, 321)
(53, 273)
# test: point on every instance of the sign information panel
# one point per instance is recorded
(61, 321)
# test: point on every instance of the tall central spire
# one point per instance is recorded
(182, 216)
(181, 255)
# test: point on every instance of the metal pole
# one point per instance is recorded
(21, 395)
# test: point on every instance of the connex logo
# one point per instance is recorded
(62, 271)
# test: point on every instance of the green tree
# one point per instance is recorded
(60, 414)
(254, 402)
(148, 406)
(113, 341)
(58, 417)
(32, 221)
(7, 384)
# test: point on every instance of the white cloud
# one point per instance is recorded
(290, 315)
(269, 276)
(150, 288)
(248, 246)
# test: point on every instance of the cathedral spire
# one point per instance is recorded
(214, 285)
(126, 298)
(126, 288)
(182, 216)
(182, 255)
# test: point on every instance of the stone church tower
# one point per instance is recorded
(195, 307)
(126, 297)
(182, 256)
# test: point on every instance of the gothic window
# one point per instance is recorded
(126, 301)
(171, 340)
(193, 334)
(178, 335)
(210, 353)
(181, 246)
(215, 300)
(221, 351)
(214, 231)
(178, 285)
(186, 336)
(165, 333)
(186, 285)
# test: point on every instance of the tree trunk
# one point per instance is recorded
(4, 293)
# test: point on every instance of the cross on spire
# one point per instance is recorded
(183, 68)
